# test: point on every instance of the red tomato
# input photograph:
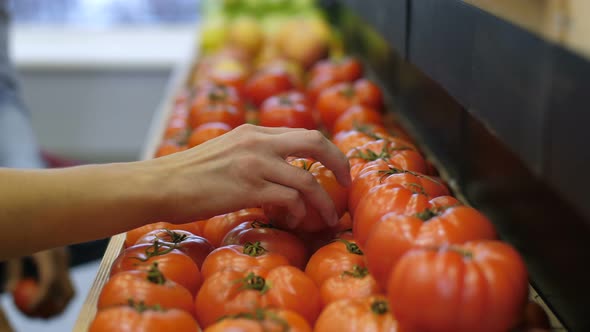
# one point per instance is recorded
(267, 83)
(232, 115)
(272, 239)
(174, 264)
(355, 116)
(24, 293)
(382, 173)
(387, 198)
(212, 93)
(479, 286)
(355, 138)
(287, 109)
(196, 247)
(335, 100)
(262, 320)
(346, 69)
(231, 292)
(217, 227)
(313, 222)
(128, 319)
(150, 288)
(369, 314)
(393, 151)
(319, 83)
(356, 283)
(229, 72)
(241, 258)
(396, 234)
(135, 234)
(333, 259)
(207, 131)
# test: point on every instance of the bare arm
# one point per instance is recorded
(245, 168)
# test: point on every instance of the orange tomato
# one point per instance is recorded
(150, 319)
(333, 259)
(196, 247)
(217, 227)
(356, 283)
(369, 314)
(357, 115)
(262, 320)
(207, 131)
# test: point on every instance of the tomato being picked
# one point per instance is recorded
(196, 247)
(287, 109)
(313, 221)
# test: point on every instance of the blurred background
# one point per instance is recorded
(93, 72)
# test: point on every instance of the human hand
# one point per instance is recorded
(55, 289)
(247, 168)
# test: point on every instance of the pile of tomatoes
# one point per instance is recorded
(406, 255)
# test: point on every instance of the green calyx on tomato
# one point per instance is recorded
(352, 248)
(366, 129)
(253, 282)
(357, 272)
(385, 153)
(154, 275)
(348, 91)
(156, 249)
(175, 237)
(433, 212)
(259, 315)
(254, 249)
(379, 307)
(260, 224)
(141, 306)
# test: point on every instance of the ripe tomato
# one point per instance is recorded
(212, 93)
(241, 258)
(287, 109)
(333, 259)
(319, 83)
(346, 69)
(266, 83)
(393, 151)
(169, 147)
(272, 239)
(174, 264)
(135, 234)
(335, 100)
(217, 227)
(152, 319)
(369, 314)
(232, 115)
(356, 283)
(359, 136)
(381, 173)
(384, 199)
(262, 320)
(196, 247)
(357, 115)
(478, 286)
(207, 131)
(231, 292)
(148, 287)
(229, 72)
(396, 234)
(25, 291)
(313, 222)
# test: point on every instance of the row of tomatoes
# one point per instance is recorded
(406, 255)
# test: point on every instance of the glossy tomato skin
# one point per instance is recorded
(230, 292)
(394, 151)
(353, 284)
(267, 83)
(135, 234)
(312, 221)
(272, 239)
(395, 234)
(333, 259)
(271, 320)
(343, 69)
(241, 258)
(478, 286)
(196, 247)
(212, 93)
(207, 131)
(217, 227)
(357, 115)
(233, 115)
(127, 319)
(287, 109)
(369, 314)
(374, 174)
(174, 264)
(140, 288)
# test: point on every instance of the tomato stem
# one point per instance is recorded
(351, 247)
(379, 307)
(254, 249)
(260, 224)
(254, 282)
(154, 275)
(141, 306)
(357, 272)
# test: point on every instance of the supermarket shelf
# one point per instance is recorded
(491, 103)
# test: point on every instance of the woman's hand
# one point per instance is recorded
(247, 168)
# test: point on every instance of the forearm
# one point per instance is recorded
(41, 209)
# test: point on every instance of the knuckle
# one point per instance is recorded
(316, 137)
(307, 180)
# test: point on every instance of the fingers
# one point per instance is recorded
(306, 184)
(312, 143)
(279, 195)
